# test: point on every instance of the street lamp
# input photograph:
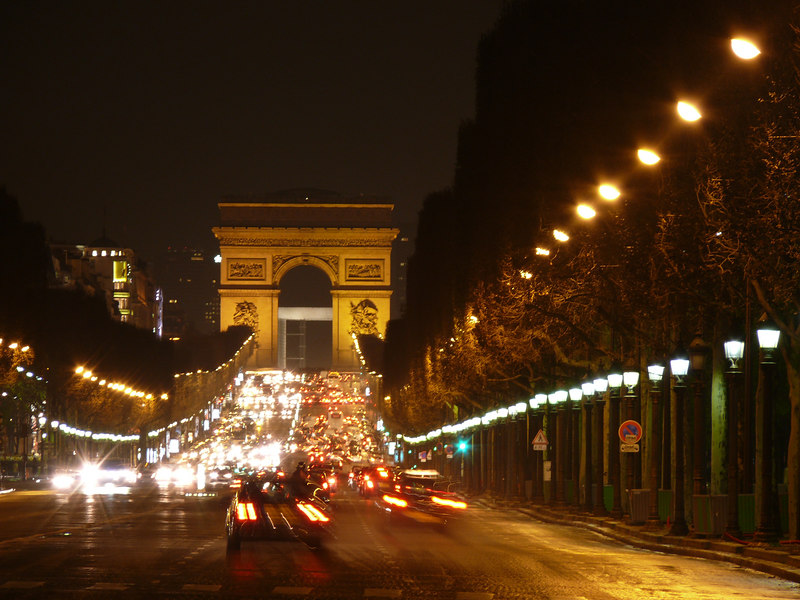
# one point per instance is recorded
(560, 397)
(630, 379)
(615, 379)
(587, 390)
(679, 368)
(734, 351)
(767, 528)
(655, 374)
(539, 404)
(600, 387)
(573, 410)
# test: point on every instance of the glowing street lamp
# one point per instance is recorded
(608, 191)
(744, 49)
(688, 112)
(647, 157)
(560, 235)
(586, 212)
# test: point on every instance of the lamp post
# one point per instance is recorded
(537, 403)
(679, 368)
(561, 445)
(631, 380)
(655, 373)
(587, 390)
(614, 382)
(767, 526)
(551, 433)
(600, 387)
(734, 351)
(574, 412)
(698, 354)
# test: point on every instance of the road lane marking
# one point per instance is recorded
(381, 593)
(286, 590)
(120, 587)
(22, 585)
(474, 596)
(199, 587)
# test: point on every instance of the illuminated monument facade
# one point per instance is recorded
(347, 238)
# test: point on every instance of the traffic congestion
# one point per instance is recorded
(283, 450)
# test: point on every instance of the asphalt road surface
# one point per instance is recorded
(150, 544)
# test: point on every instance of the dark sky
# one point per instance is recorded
(151, 112)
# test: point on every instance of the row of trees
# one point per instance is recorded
(705, 243)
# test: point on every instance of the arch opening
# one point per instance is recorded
(305, 316)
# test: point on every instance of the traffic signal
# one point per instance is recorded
(462, 445)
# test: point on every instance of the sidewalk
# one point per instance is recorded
(779, 560)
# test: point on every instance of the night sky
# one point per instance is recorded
(141, 116)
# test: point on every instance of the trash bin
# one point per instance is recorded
(640, 505)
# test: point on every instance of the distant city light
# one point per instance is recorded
(218, 258)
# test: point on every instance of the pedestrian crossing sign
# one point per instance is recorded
(540, 441)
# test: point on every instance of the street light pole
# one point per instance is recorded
(631, 380)
(600, 387)
(734, 350)
(614, 382)
(588, 392)
(655, 374)
(767, 529)
(679, 368)
(574, 411)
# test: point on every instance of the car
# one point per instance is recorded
(269, 507)
(422, 496)
(374, 479)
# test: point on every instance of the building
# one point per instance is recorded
(105, 268)
(188, 277)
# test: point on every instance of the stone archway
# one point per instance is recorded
(349, 239)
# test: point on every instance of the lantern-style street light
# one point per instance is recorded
(615, 380)
(587, 389)
(655, 374)
(631, 379)
(767, 526)
(600, 387)
(734, 351)
(679, 368)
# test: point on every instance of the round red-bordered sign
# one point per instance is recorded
(630, 432)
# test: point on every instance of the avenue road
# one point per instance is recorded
(152, 543)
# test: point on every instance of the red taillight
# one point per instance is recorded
(332, 480)
(370, 485)
(448, 502)
(395, 501)
(236, 483)
(324, 485)
(246, 511)
(312, 512)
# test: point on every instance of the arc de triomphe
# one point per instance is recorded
(348, 238)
